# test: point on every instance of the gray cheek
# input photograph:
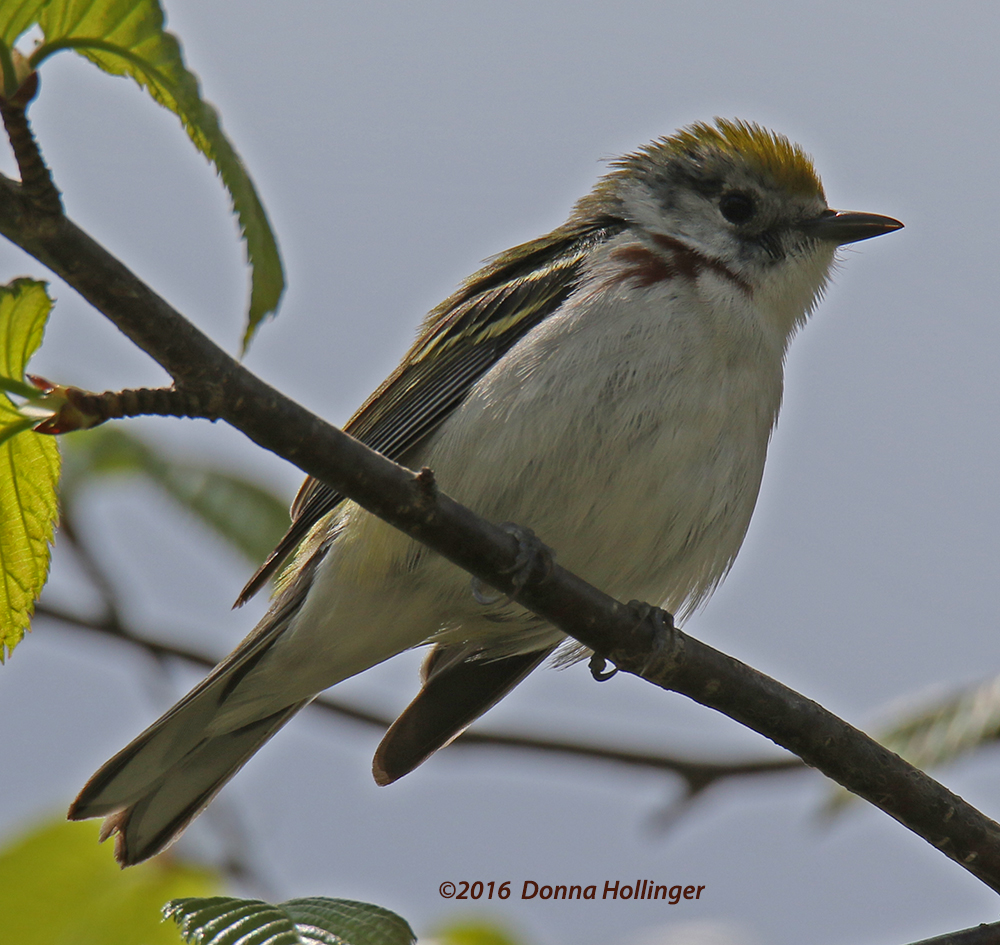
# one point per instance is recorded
(765, 249)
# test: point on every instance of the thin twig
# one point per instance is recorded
(36, 179)
(82, 409)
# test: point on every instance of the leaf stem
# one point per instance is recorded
(21, 389)
(10, 82)
(83, 43)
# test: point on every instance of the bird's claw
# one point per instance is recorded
(484, 594)
(662, 622)
(533, 558)
(597, 664)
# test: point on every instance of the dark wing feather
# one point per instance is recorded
(461, 339)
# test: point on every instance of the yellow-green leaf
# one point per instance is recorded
(60, 886)
(29, 469)
(473, 932)
(15, 18)
(127, 37)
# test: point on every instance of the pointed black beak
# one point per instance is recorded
(847, 226)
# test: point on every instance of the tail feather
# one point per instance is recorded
(457, 690)
(139, 767)
(156, 785)
(151, 822)
(133, 772)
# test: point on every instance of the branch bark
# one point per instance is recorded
(979, 935)
(671, 660)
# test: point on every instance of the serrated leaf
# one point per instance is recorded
(934, 731)
(59, 886)
(29, 469)
(247, 516)
(223, 920)
(127, 37)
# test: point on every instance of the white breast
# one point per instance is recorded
(631, 436)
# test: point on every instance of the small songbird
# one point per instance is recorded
(612, 386)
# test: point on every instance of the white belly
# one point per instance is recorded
(643, 478)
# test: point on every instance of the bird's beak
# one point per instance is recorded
(847, 226)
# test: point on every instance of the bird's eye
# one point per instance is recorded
(737, 207)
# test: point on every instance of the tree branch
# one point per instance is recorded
(980, 935)
(671, 660)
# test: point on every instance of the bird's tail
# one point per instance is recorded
(152, 789)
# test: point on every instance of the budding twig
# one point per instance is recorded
(76, 409)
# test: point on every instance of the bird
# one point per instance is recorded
(612, 386)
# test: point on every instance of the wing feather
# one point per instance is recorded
(461, 339)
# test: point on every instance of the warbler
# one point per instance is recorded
(612, 386)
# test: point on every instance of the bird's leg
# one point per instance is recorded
(534, 562)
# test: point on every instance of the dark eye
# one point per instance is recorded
(737, 207)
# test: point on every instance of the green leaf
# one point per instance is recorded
(60, 887)
(244, 514)
(127, 37)
(473, 933)
(16, 16)
(223, 920)
(29, 468)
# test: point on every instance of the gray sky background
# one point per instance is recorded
(398, 144)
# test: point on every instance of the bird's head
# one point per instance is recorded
(745, 200)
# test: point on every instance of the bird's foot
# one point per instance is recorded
(663, 626)
(662, 622)
(534, 562)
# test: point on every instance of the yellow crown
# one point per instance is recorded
(770, 153)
